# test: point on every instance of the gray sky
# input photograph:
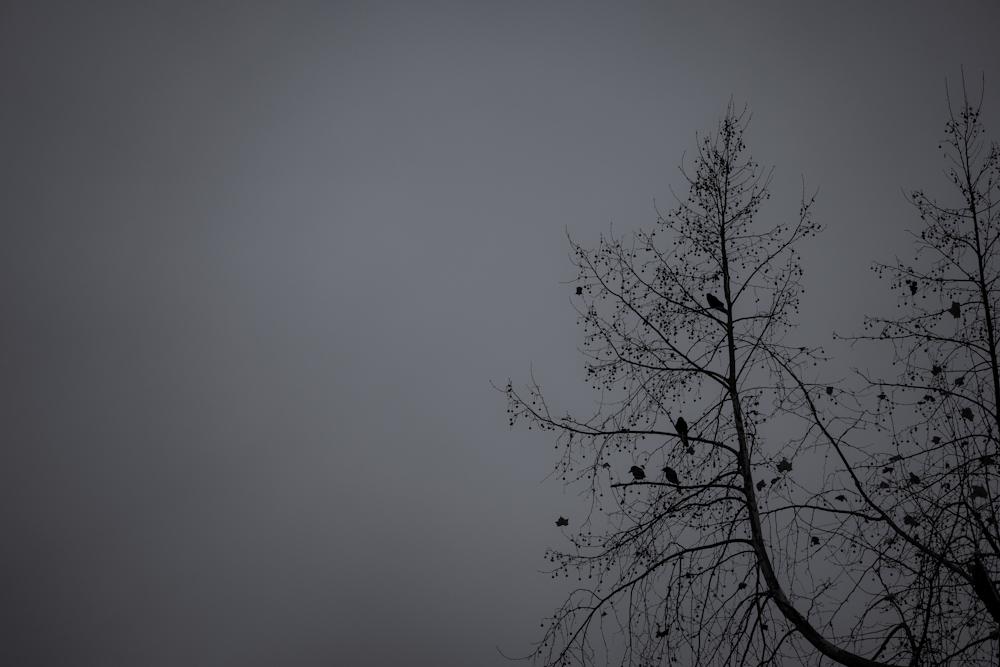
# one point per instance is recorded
(260, 262)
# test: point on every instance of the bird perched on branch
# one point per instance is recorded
(638, 472)
(671, 475)
(715, 303)
(955, 310)
(682, 430)
(562, 522)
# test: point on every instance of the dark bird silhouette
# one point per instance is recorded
(909, 520)
(841, 498)
(579, 290)
(682, 430)
(960, 381)
(935, 369)
(935, 439)
(967, 413)
(986, 460)
(913, 286)
(914, 479)
(562, 522)
(715, 303)
(978, 491)
(784, 466)
(955, 310)
(671, 475)
(638, 472)
(815, 540)
(829, 391)
(761, 484)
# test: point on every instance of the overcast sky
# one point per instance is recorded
(259, 264)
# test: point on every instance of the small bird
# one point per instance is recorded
(579, 290)
(829, 391)
(914, 479)
(955, 310)
(967, 413)
(913, 286)
(682, 430)
(638, 472)
(815, 540)
(841, 498)
(784, 466)
(761, 484)
(562, 522)
(715, 303)
(671, 475)
(978, 491)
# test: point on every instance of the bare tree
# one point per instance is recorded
(882, 547)
(930, 502)
(690, 563)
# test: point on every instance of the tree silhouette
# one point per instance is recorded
(870, 553)
(930, 533)
(706, 572)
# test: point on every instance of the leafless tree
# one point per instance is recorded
(881, 547)
(931, 500)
